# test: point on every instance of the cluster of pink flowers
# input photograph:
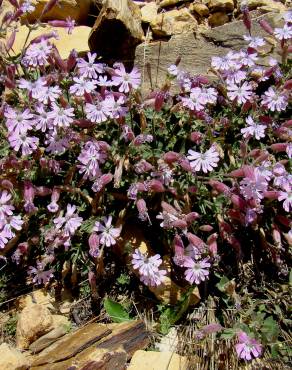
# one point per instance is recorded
(148, 268)
(9, 223)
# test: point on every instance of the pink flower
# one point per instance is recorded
(253, 129)
(203, 161)
(34, 88)
(69, 24)
(247, 347)
(98, 112)
(53, 206)
(254, 42)
(49, 94)
(27, 6)
(70, 222)
(148, 268)
(5, 209)
(40, 276)
(224, 63)
(287, 198)
(82, 86)
(56, 143)
(275, 101)
(61, 117)
(125, 80)
(89, 69)
(42, 119)
(108, 233)
(254, 185)
(197, 271)
(92, 154)
(18, 122)
(37, 54)
(27, 144)
(284, 33)
(241, 93)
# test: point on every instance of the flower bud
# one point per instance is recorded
(171, 157)
(206, 228)
(94, 243)
(72, 60)
(156, 186)
(220, 187)
(196, 137)
(279, 147)
(266, 26)
(195, 240)
(192, 216)
(180, 224)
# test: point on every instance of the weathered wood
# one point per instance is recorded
(117, 31)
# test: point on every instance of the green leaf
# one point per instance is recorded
(172, 314)
(221, 285)
(270, 329)
(228, 333)
(116, 311)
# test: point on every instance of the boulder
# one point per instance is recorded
(33, 322)
(76, 9)
(60, 326)
(195, 51)
(12, 359)
(77, 40)
(150, 360)
(40, 296)
(117, 31)
(267, 5)
(221, 5)
(201, 9)
(149, 12)
(95, 346)
(218, 19)
(166, 3)
(174, 22)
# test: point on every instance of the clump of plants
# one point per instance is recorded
(204, 172)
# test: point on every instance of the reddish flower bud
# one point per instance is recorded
(237, 173)
(185, 164)
(196, 241)
(156, 186)
(220, 187)
(42, 191)
(179, 223)
(14, 3)
(266, 26)
(6, 184)
(192, 216)
(284, 220)
(212, 244)
(72, 60)
(94, 243)
(238, 202)
(196, 137)
(279, 147)
(9, 83)
(171, 157)
(206, 228)
(271, 194)
(246, 17)
(288, 85)
(10, 41)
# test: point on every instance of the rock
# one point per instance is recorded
(76, 9)
(150, 360)
(195, 51)
(200, 9)
(168, 342)
(218, 19)
(174, 22)
(117, 30)
(96, 346)
(149, 12)
(33, 322)
(267, 5)
(60, 326)
(72, 343)
(165, 3)
(77, 40)
(221, 5)
(40, 296)
(12, 359)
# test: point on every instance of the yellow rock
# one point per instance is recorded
(200, 9)
(77, 40)
(218, 19)
(39, 296)
(221, 5)
(174, 22)
(12, 359)
(268, 5)
(150, 360)
(149, 12)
